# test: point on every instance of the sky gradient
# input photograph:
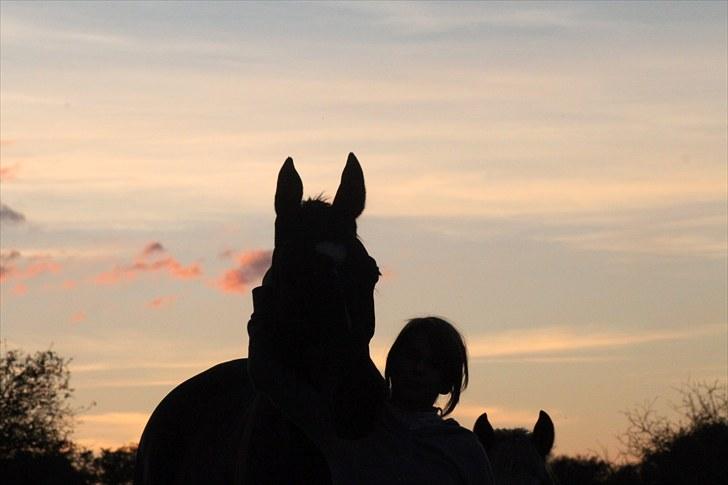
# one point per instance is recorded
(552, 177)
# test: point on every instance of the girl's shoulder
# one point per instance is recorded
(425, 422)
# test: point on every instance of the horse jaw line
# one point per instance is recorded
(335, 251)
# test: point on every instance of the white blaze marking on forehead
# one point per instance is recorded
(335, 251)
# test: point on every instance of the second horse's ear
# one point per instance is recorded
(351, 194)
(289, 190)
(484, 431)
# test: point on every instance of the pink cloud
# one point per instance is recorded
(20, 289)
(78, 317)
(251, 266)
(168, 265)
(69, 284)
(162, 301)
(9, 173)
(11, 269)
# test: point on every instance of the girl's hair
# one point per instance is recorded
(448, 350)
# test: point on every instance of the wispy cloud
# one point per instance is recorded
(649, 239)
(500, 417)
(146, 264)
(463, 193)
(417, 18)
(9, 173)
(8, 214)
(251, 266)
(563, 339)
(162, 301)
(78, 317)
(16, 29)
(69, 284)
(109, 430)
(141, 366)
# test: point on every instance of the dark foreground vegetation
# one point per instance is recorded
(660, 452)
(36, 422)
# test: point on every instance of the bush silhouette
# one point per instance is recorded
(36, 422)
(662, 452)
(692, 450)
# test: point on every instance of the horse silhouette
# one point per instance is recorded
(217, 428)
(214, 427)
(517, 456)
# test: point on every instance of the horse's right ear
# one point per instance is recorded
(289, 190)
(351, 194)
(543, 434)
(484, 431)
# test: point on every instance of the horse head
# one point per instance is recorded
(325, 280)
(517, 456)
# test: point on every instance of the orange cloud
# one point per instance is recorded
(162, 301)
(9, 268)
(20, 289)
(170, 265)
(78, 317)
(69, 284)
(529, 343)
(252, 265)
(9, 173)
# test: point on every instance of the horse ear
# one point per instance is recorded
(543, 434)
(289, 189)
(351, 194)
(484, 431)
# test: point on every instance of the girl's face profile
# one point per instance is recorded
(416, 373)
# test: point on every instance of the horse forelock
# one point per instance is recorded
(515, 459)
(315, 220)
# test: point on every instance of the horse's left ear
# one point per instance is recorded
(543, 434)
(484, 431)
(289, 189)
(351, 194)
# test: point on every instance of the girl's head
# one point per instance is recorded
(427, 358)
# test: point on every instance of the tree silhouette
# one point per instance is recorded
(692, 450)
(36, 420)
(660, 451)
(35, 414)
(115, 467)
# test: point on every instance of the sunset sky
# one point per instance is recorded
(552, 177)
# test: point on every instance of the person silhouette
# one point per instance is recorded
(428, 359)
